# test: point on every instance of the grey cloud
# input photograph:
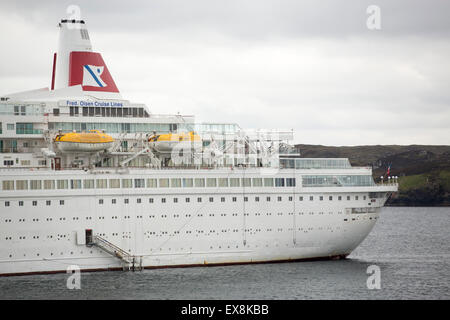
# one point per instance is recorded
(251, 19)
(312, 66)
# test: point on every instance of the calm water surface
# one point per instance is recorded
(410, 245)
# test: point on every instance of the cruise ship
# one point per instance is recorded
(90, 179)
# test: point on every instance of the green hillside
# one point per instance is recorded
(423, 171)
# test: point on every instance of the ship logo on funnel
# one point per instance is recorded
(91, 76)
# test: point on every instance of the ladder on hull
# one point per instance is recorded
(129, 262)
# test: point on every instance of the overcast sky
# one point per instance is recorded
(311, 66)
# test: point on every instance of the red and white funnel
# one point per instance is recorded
(76, 64)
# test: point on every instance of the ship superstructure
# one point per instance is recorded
(90, 179)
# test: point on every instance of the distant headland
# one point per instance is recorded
(423, 170)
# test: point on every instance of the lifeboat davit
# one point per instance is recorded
(165, 143)
(92, 141)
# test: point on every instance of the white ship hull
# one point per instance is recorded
(48, 235)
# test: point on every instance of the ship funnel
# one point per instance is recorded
(76, 64)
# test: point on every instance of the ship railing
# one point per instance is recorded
(388, 183)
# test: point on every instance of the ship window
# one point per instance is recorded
(126, 201)
(330, 198)
(8, 162)
(101, 183)
(141, 112)
(98, 111)
(134, 112)
(114, 183)
(321, 198)
(22, 184)
(164, 183)
(72, 111)
(234, 182)
(85, 111)
(75, 184)
(199, 199)
(234, 199)
(175, 182)
(175, 200)
(62, 184)
(8, 185)
(245, 199)
(223, 182)
(34, 203)
(268, 182)
(48, 202)
(139, 183)
(279, 182)
(188, 182)
(150, 200)
(100, 201)
(199, 182)
(246, 182)
(188, 199)
(113, 201)
(256, 199)
(88, 184)
(152, 183)
(108, 112)
(338, 180)
(35, 184)
(257, 182)
(49, 184)
(356, 197)
(348, 197)
(138, 200)
(119, 112)
(61, 202)
(280, 199)
(91, 111)
(127, 183)
(290, 182)
(311, 198)
(222, 199)
(300, 198)
(211, 182)
(10, 126)
(56, 112)
(163, 200)
(268, 199)
(6, 203)
(290, 198)
(113, 112)
(20, 203)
